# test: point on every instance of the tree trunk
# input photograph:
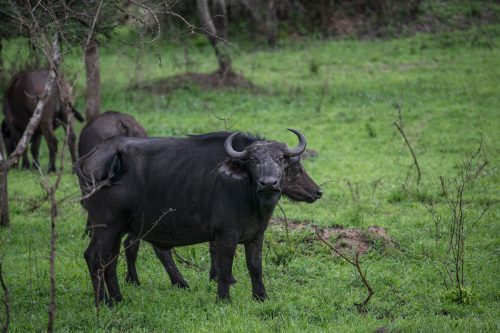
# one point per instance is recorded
(4, 199)
(271, 22)
(208, 25)
(93, 94)
(221, 18)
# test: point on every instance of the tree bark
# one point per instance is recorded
(4, 197)
(93, 94)
(208, 25)
(271, 22)
(221, 15)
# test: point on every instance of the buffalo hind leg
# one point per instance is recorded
(110, 275)
(72, 142)
(99, 257)
(224, 255)
(253, 255)
(26, 161)
(35, 149)
(173, 272)
(131, 244)
(212, 275)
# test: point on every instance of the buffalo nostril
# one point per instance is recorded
(273, 182)
(319, 193)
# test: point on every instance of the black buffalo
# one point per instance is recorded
(20, 102)
(174, 192)
(105, 126)
(297, 185)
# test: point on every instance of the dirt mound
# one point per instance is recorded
(215, 80)
(347, 239)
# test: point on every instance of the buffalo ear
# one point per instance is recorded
(294, 159)
(231, 171)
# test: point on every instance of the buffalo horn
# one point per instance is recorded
(299, 149)
(228, 145)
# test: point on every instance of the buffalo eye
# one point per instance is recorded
(252, 160)
(281, 157)
(297, 171)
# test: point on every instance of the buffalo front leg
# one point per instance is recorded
(131, 244)
(212, 275)
(224, 255)
(48, 134)
(173, 272)
(253, 255)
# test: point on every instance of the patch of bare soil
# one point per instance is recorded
(208, 81)
(345, 239)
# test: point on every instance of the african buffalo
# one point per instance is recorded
(168, 192)
(297, 185)
(20, 102)
(105, 126)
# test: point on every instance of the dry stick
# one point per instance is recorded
(356, 263)
(322, 96)
(400, 129)
(5, 301)
(286, 224)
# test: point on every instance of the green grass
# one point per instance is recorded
(448, 86)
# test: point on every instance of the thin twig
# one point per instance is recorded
(357, 264)
(400, 129)
(5, 301)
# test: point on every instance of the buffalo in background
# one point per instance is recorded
(105, 126)
(21, 97)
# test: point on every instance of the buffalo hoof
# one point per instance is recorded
(232, 279)
(132, 280)
(112, 301)
(260, 297)
(181, 284)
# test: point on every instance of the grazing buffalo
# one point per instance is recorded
(297, 185)
(20, 102)
(105, 126)
(167, 192)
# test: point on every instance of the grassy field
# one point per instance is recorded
(343, 95)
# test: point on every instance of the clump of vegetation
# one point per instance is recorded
(457, 224)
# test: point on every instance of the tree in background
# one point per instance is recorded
(217, 42)
(264, 13)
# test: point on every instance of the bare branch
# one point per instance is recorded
(400, 129)
(357, 264)
(5, 301)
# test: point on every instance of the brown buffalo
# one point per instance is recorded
(20, 102)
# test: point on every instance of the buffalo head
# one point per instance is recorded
(297, 184)
(266, 161)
